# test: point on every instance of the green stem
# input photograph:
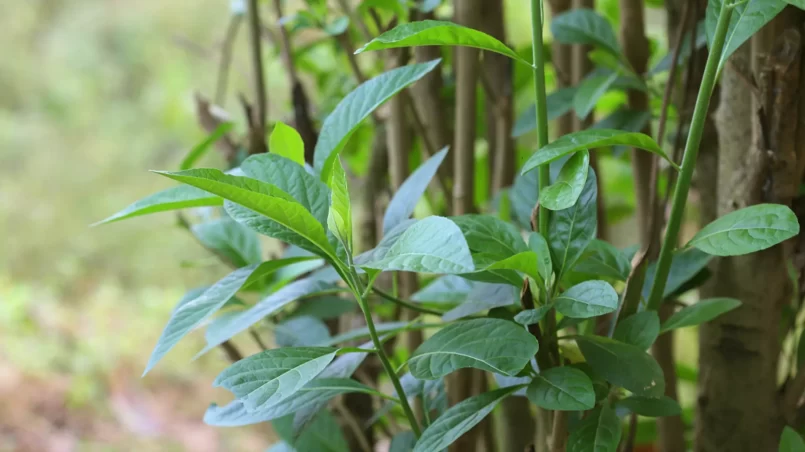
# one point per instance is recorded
(384, 360)
(542, 103)
(711, 70)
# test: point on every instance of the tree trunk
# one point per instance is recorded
(739, 405)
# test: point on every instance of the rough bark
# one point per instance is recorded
(739, 405)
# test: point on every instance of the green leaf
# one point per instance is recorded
(445, 289)
(438, 33)
(404, 201)
(640, 329)
(571, 230)
(301, 331)
(748, 17)
(747, 230)
(325, 308)
(287, 142)
(182, 197)
(651, 407)
(358, 105)
(337, 26)
(339, 220)
(564, 192)
(293, 179)
(562, 389)
(484, 296)
(538, 244)
(701, 312)
(235, 242)
(532, 316)
(623, 365)
(200, 149)
(585, 26)
(558, 103)
(459, 419)
(432, 245)
(491, 236)
(600, 431)
(489, 344)
(269, 305)
(602, 259)
(685, 265)
(267, 378)
(403, 442)
(382, 249)
(801, 5)
(322, 435)
(289, 221)
(191, 312)
(590, 139)
(791, 441)
(588, 299)
(590, 91)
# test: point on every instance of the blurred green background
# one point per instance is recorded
(93, 93)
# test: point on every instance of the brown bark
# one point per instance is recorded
(739, 405)
(257, 118)
(562, 58)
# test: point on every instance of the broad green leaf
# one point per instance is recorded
(445, 289)
(563, 389)
(403, 442)
(748, 17)
(230, 239)
(491, 236)
(304, 404)
(747, 230)
(337, 26)
(538, 244)
(459, 419)
(523, 196)
(267, 378)
(494, 345)
(558, 103)
(192, 312)
(564, 192)
(438, 33)
(301, 331)
(182, 197)
(623, 365)
(363, 332)
(287, 142)
(701, 312)
(339, 220)
(588, 299)
(484, 296)
(602, 259)
(323, 434)
(269, 305)
(651, 407)
(600, 431)
(590, 91)
(432, 245)
(325, 307)
(404, 201)
(358, 105)
(289, 220)
(624, 119)
(293, 179)
(590, 139)
(585, 26)
(200, 149)
(532, 316)
(685, 265)
(640, 329)
(801, 5)
(791, 441)
(389, 239)
(525, 262)
(571, 230)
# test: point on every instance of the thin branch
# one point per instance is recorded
(258, 123)
(226, 59)
(231, 351)
(408, 305)
(354, 426)
(257, 339)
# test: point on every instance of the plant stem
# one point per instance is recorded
(381, 354)
(689, 160)
(542, 105)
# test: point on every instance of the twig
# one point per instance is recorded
(412, 306)
(353, 425)
(257, 144)
(231, 351)
(226, 59)
(257, 339)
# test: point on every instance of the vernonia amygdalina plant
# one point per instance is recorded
(552, 313)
